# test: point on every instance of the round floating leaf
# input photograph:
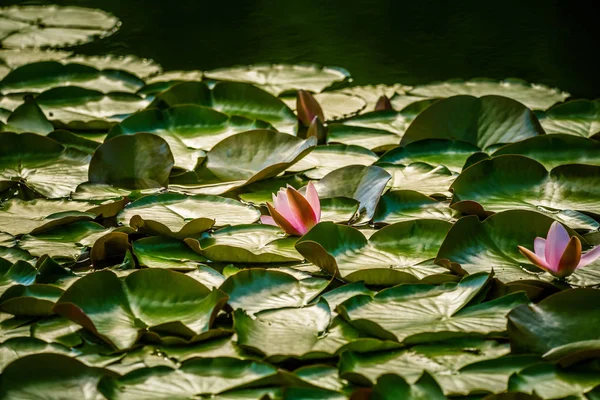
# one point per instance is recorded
(325, 159)
(44, 75)
(28, 117)
(361, 183)
(338, 209)
(372, 93)
(481, 121)
(370, 138)
(552, 382)
(30, 301)
(578, 117)
(389, 386)
(246, 244)
(451, 153)
(554, 150)
(254, 290)
(174, 211)
(460, 366)
(139, 161)
(21, 273)
(492, 244)
(405, 205)
(510, 181)
(164, 252)
(19, 347)
(278, 78)
(53, 26)
(534, 96)
(550, 325)
(423, 178)
(13, 58)
(339, 105)
(41, 164)
(141, 67)
(231, 98)
(195, 377)
(50, 376)
(392, 255)
(188, 129)
(410, 315)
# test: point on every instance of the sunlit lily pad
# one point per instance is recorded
(578, 117)
(21, 273)
(53, 26)
(395, 254)
(450, 153)
(372, 93)
(278, 78)
(324, 159)
(390, 385)
(404, 205)
(141, 67)
(163, 252)
(28, 117)
(421, 177)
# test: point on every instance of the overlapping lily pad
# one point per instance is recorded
(404, 205)
(578, 117)
(325, 159)
(421, 177)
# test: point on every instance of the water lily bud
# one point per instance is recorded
(308, 108)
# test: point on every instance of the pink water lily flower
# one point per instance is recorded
(559, 254)
(293, 212)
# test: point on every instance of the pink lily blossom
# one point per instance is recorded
(559, 254)
(293, 212)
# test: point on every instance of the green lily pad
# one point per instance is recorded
(141, 67)
(174, 211)
(165, 252)
(460, 366)
(195, 377)
(372, 93)
(44, 75)
(28, 117)
(339, 105)
(451, 153)
(339, 209)
(554, 150)
(578, 117)
(405, 205)
(254, 290)
(389, 386)
(533, 95)
(516, 182)
(50, 376)
(421, 177)
(231, 98)
(117, 310)
(246, 244)
(483, 122)
(77, 142)
(361, 183)
(492, 244)
(19, 347)
(64, 241)
(34, 300)
(369, 138)
(53, 26)
(325, 159)
(139, 161)
(395, 254)
(41, 164)
(552, 382)
(410, 318)
(279, 78)
(188, 129)
(20, 273)
(550, 326)
(13, 58)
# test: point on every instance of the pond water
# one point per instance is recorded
(378, 41)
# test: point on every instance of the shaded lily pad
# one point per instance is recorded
(19, 347)
(409, 317)
(279, 78)
(395, 254)
(578, 117)
(20, 272)
(117, 310)
(28, 117)
(421, 177)
(34, 300)
(483, 122)
(492, 244)
(246, 244)
(164, 252)
(389, 386)
(361, 183)
(404, 205)
(325, 159)
(53, 26)
(511, 182)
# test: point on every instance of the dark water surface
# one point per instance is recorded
(378, 41)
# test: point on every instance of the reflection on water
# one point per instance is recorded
(387, 41)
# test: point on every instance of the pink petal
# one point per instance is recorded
(313, 199)
(282, 206)
(589, 257)
(556, 243)
(535, 259)
(267, 220)
(539, 245)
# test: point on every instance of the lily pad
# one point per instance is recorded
(246, 244)
(492, 245)
(164, 252)
(34, 300)
(395, 254)
(20, 272)
(450, 153)
(483, 122)
(231, 98)
(372, 93)
(421, 177)
(141, 67)
(28, 117)
(405, 205)
(516, 182)
(361, 183)
(117, 310)
(279, 78)
(19, 347)
(53, 26)
(370, 138)
(389, 386)
(139, 161)
(409, 317)
(325, 159)
(578, 117)
(188, 129)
